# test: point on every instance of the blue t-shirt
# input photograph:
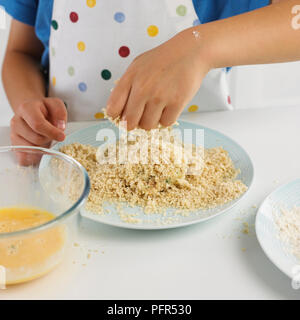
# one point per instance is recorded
(38, 13)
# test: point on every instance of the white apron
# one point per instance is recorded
(93, 42)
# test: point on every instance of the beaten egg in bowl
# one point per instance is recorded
(30, 256)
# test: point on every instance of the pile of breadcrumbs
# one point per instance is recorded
(158, 186)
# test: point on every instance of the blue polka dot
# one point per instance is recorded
(119, 17)
(196, 22)
(227, 69)
(82, 86)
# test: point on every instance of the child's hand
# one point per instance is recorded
(159, 83)
(38, 122)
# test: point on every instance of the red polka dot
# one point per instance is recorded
(229, 100)
(124, 52)
(74, 17)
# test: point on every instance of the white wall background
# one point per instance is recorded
(276, 85)
(251, 86)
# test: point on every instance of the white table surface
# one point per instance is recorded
(212, 260)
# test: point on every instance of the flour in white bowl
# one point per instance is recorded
(288, 223)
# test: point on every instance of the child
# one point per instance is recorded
(159, 50)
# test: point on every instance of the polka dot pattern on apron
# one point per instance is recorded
(152, 31)
(81, 46)
(106, 74)
(119, 17)
(74, 17)
(54, 24)
(124, 52)
(181, 10)
(193, 108)
(99, 115)
(91, 3)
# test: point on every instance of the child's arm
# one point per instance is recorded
(38, 120)
(160, 82)
(267, 35)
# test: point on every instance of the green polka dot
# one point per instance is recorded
(71, 71)
(181, 10)
(106, 74)
(54, 24)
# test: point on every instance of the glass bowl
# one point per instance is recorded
(37, 181)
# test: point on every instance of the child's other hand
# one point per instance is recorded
(38, 122)
(159, 83)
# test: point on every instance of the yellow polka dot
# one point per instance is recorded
(81, 46)
(152, 31)
(54, 81)
(99, 115)
(91, 3)
(193, 108)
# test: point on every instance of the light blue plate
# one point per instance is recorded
(156, 221)
(286, 196)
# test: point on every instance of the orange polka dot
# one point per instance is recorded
(91, 3)
(54, 81)
(193, 108)
(152, 31)
(99, 115)
(81, 46)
